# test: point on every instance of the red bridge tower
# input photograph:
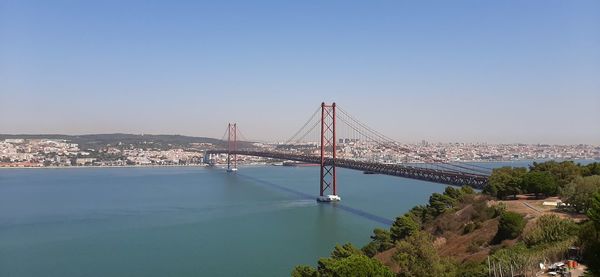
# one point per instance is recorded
(231, 147)
(328, 149)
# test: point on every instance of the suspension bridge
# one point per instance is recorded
(332, 138)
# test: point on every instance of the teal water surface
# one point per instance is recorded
(261, 221)
(186, 221)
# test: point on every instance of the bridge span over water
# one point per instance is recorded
(447, 177)
(357, 135)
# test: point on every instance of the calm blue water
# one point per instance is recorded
(187, 221)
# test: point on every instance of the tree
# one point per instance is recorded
(344, 251)
(345, 260)
(589, 236)
(591, 169)
(304, 271)
(452, 192)
(511, 225)
(563, 172)
(403, 226)
(540, 183)
(371, 249)
(354, 265)
(594, 212)
(467, 190)
(439, 203)
(505, 181)
(416, 256)
(578, 194)
(381, 241)
(420, 213)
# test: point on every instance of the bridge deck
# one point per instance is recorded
(448, 177)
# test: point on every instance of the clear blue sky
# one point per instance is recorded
(471, 71)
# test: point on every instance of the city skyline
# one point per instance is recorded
(501, 72)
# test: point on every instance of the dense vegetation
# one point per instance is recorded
(510, 226)
(345, 260)
(542, 179)
(498, 238)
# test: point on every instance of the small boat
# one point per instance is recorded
(232, 169)
(369, 172)
(328, 198)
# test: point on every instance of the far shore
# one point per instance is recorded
(252, 164)
(119, 166)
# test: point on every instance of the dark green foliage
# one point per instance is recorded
(466, 190)
(404, 226)
(491, 189)
(578, 194)
(505, 181)
(304, 271)
(381, 241)
(540, 182)
(550, 229)
(355, 265)
(439, 203)
(589, 236)
(344, 251)
(591, 169)
(563, 172)
(345, 260)
(453, 193)
(594, 211)
(472, 270)
(420, 213)
(371, 249)
(417, 256)
(511, 225)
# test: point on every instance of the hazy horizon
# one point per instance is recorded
(460, 71)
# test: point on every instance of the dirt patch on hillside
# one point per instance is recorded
(532, 208)
(387, 258)
(472, 246)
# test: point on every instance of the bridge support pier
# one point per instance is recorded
(209, 159)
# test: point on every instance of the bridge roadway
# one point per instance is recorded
(447, 177)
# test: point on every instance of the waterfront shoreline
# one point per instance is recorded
(258, 164)
(124, 166)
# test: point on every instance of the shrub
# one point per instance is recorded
(511, 225)
(344, 251)
(481, 211)
(304, 271)
(470, 227)
(354, 265)
(381, 241)
(404, 226)
(416, 256)
(439, 203)
(550, 229)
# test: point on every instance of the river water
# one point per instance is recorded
(187, 221)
